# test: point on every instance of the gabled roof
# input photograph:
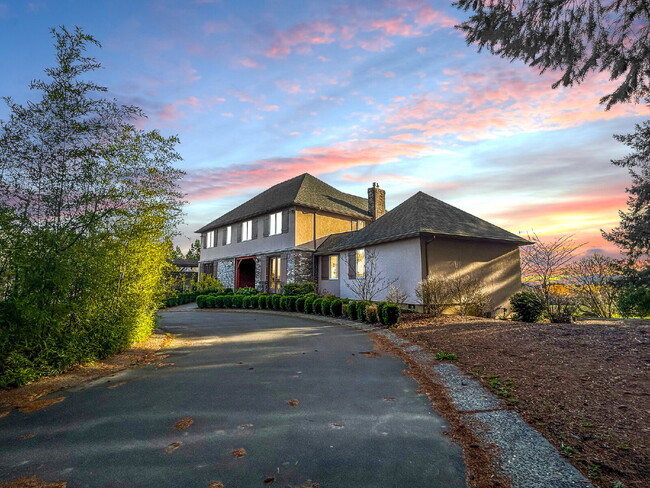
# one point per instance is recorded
(420, 214)
(304, 190)
(185, 263)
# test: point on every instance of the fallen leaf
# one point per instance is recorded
(27, 436)
(370, 354)
(4, 413)
(172, 447)
(32, 482)
(240, 452)
(216, 484)
(389, 399)
(269, 480)
(162, 365)
(115, 385)
(37, 405)
(184, 423)
(293, 402)
(337, 426)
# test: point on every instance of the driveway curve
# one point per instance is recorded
(247, 400)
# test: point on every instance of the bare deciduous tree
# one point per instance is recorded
(592, 281)
(373, 281)
(396, 295)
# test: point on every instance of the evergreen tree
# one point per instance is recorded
(195, 250)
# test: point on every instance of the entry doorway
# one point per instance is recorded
(245, 272)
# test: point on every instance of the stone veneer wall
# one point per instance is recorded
(226, 272)
(300, 266)
(259, 284)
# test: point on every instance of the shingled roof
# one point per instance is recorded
(304, 190)
(420, 214)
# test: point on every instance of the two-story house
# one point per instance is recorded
(305, 230)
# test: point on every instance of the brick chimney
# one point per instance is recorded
(376, 201)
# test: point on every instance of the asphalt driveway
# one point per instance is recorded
(304, 403)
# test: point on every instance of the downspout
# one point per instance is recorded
(425, 275)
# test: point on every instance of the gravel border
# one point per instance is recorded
(523, 455)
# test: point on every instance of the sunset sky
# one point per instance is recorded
(350, 91)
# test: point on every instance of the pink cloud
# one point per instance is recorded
(292, 88)
(249, 63)
(426, 16)
(305, 33)
(235, 179)
(215, 26)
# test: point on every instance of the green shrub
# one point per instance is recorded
(309, 304)
(236, 301)
(300, 304)
(317, 306)
(371, 314)
(291, 303)
(283, 303)
(268, 302)
(526, 306)
(253, 301)
(634, 301)
(361, 309)
(391, 314)
(209, 301)
(299, 289)
(200, 301)
(246, 291)
(261, 301)
(326, 306)
(336, 308)
(227, 291)
(380, 312)
(442, 356)
(352, 310)
(218, 301)
(345, 310)
(246, 302)
(227, 301)
(275, 301)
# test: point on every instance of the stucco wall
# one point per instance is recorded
(396, 260)
(326, 223)
(496, 264)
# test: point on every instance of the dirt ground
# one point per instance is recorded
(584, 386)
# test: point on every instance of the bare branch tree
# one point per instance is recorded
(373, 281)
(592, 282)
(396, 295)
(545, 264)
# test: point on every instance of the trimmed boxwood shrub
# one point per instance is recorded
(227, 301)
(237, 301)
(200, 301)
(299, 289)
(252, 301)
(380, 311)
(309, 304)
(268, 302)
(325, 306)
(391, 314)
(352, 310)
(344, 310)
(218, 301)
(290, 303)
(209, 301)
(361, 309)
(317, 306)
(246, 302)
(300, 304)
(228, 291)
(283, 303)
(275, 301)
(371, 314)
(527, 306)
(336, 307)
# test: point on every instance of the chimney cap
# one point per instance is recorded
(375, 184)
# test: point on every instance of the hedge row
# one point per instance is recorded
(384, 313)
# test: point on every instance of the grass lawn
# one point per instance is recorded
(584, 386)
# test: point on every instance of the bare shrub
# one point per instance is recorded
(435, 294)
(468, 293)
(592, 281)
(396, 295)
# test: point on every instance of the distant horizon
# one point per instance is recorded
(383, 92)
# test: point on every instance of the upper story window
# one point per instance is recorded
(209, 239)
(361, 263)
(276, 224)
(246, 230)
(229, 234)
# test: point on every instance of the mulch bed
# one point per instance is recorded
(584, 386)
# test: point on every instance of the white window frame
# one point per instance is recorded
(275, 227)
(229, 235)
(209, 239)
(333, 275)
(247, 230)
(360, 271)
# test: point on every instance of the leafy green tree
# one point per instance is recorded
(195, 250)
(87, 205)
